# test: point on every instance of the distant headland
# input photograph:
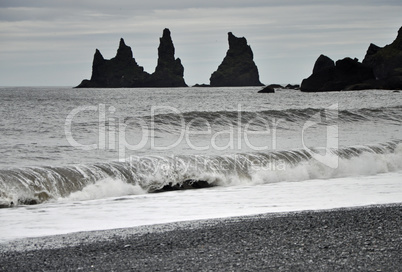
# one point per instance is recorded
(381, 69)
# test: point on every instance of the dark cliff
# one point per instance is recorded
(380, 69)
(386, 63)
(330, 76)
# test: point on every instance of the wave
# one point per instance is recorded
(148, 174)
(174, 122)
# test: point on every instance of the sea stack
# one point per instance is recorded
(120, 71)
(169, 71)
(123, 70)
(238, 67)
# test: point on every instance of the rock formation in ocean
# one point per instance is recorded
(323, 62)
(272, 88)
(268, 89)
(386, 63)
(292, 87)
(169, 71)
(238, 67)
(328, 76)
(123, 70)
(380, 69)
(201, 85)
(120, 71)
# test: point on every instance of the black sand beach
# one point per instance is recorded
(356, 239)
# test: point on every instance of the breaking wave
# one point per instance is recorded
(148, 174)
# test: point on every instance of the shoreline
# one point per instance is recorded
(359, 238)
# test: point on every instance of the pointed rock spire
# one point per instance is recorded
(97, 65)
(124, 52)
(165, 49)
(98, 56)
(169, 71)
(238, 67)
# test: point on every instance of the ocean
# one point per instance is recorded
(91, 159)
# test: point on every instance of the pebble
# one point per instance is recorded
(366, 238)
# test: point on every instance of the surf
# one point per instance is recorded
(151, 174)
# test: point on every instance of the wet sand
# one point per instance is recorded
(353, 239)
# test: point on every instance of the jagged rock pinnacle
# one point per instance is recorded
(124, 52)
(238, 67)
(169, 71)
(123, 70)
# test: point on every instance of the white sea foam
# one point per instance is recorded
(113, 179)
(365, 164)
(105, 188)
(148, 209)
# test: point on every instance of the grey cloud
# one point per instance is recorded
(180, 4)
(19, 10)
(286, 36)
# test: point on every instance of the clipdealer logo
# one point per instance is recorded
(112, 132)
(325, 154)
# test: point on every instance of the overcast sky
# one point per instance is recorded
(51, 43)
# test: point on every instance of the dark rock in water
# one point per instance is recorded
(238, 67)
(202, 85)
(275, 86)
(322, 63)
(386, 63)
(341, 76)
(186, 185)
(123, 70)
(380, 69)
(169, 71)
(267, 89)
(292, 87)
(271, 88)
(120, 71)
